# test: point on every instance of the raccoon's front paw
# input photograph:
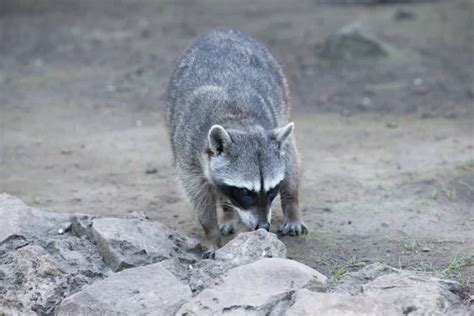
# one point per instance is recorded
(209, 254)
(227, 228)
(293, 229)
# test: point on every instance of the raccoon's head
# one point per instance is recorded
(248, 168)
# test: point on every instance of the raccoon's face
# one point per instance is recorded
(248, 168)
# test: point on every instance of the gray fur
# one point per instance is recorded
(229, 82)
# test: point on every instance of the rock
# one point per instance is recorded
(151, 170)
(40, 270)
(403, 15)
(407, 291)
(38, 266)
(420, 292)
(351, 282)
(260, 287)
(26, 225)
(354, 42)
(18, 219)
(245, 248)
(312, 303)
(207, 273)
(180, 268)
(32, 281)
(136, 241)
(148, 290)
(251, 246)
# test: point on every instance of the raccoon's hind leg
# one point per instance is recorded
(229, 220)
(293, 224)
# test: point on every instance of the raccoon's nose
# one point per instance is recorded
(265, 226)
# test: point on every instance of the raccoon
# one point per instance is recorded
(233, 145)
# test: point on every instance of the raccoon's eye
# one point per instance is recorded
(244, 192)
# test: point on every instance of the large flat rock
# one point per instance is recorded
(256, 288)
(137, 241)
(148, 290)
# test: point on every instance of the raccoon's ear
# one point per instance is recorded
(218, 139)
(282, 134)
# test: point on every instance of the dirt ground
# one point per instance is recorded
(387, 145)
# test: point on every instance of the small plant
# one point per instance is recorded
(469, 165)
(36, 198)
(450, 193)
(400, 265)
(434, 194)
(337, 274)
(466, 185)
(423, 266)
(320, 261)
(410, 244)
(353, 261)
(456, 264)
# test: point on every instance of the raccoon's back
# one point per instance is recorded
(233, 66)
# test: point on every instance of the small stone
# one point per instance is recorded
(151, 170)
(354, 42)
(365, 104)
(64, 227)
(403, 15)
(417, 82)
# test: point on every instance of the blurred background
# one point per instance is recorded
(383, 101)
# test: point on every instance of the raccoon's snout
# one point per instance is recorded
(265, 226)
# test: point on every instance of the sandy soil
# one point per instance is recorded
(387, 146)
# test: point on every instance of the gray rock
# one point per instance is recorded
(407, 291)
(38, 266)
(354, 42)
(32, 281)
(351, 283)
(179, 267)
(18, 219)
(251, 246)
(148, 290)
(260, 287)
(404, 14)
(136, 241)
(306, 302)
(245, 248)
(207, 273)
(421, 293)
